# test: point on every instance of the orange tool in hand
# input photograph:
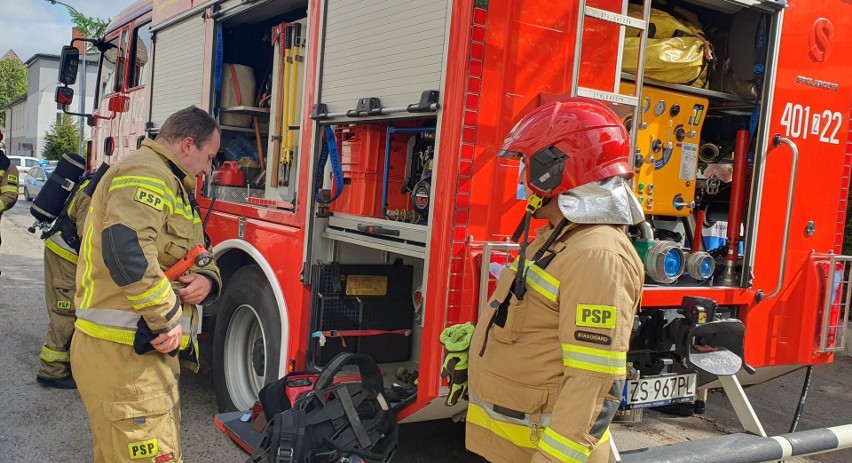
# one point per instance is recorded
(197, 256)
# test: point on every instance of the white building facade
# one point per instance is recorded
(28, 119)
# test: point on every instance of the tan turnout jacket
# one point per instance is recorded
(142, 210)
(554, 364)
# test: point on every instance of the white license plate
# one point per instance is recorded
(660, 390)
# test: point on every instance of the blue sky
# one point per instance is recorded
(36, 26)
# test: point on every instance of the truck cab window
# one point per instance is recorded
(141, 56)
(106, 79)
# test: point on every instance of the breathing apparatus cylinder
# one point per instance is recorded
(49, 202)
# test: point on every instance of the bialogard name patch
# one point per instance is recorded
(594, 338)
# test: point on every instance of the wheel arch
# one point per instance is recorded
(233, 254)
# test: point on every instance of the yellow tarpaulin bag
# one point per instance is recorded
(678, 60)
(663, 25)
(676, 52)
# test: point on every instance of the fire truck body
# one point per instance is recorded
(419, 96)
(124, 71)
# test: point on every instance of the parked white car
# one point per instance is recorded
(24, 164)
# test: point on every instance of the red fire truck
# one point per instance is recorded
(357, 202)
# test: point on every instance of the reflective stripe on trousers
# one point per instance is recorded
(523, 432)
(526, 433)
(59, 247)
(120, 326)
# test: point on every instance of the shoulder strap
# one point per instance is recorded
(371, 377)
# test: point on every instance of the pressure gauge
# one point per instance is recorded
(659, 108)
(646, 104)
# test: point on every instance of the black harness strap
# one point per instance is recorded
(352, 416)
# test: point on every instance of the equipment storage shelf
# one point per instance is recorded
(246, 111)
(719, 99)
(407, 239)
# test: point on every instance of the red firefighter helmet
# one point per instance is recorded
(567, 143)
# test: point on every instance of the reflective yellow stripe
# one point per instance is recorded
(174, 203)
(514, 433)
(79, 189)
(60, 251)
(597, 360)
(562, 448)
(8, 189)
(117, 335)
(2, 206)
(49, 355)
(86, 282)
(539, 280)
(153, 296)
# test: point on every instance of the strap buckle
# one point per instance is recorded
(534, 203)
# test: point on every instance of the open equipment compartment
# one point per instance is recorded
(257, 83)
(691, 115)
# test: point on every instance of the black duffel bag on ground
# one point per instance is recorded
(334, 421)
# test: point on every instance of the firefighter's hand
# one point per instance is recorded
(168, 341)
(197, 288)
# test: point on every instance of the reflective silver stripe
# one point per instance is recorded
(121, 319)
(538, 279)
(57, 238)
(489, 409)
(562, 448)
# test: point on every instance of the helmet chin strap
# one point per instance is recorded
(534, 203)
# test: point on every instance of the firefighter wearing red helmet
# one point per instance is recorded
(547, 366)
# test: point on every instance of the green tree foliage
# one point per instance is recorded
(63, 137)
(92, 28)
(13, 83)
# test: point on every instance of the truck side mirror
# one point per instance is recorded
(68, 62)
(64, 95)
(118, 103)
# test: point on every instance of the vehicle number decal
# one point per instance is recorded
(803, 122)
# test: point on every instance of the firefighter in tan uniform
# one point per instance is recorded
(8, 181)
(60, 264)
(547, 367)
(131, 320)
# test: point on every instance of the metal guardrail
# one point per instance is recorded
(485, 276)
(835, 307)
(746, 448)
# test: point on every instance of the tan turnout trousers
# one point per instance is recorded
(134, 407)
(59, 296)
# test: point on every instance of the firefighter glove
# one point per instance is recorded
(456, 340)
(144, 336)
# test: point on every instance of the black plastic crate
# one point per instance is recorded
(362, 297)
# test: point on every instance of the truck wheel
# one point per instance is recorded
(246, 341)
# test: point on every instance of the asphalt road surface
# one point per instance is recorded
(45, 425)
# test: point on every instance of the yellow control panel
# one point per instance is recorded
(666, 156)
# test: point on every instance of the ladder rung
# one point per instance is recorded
(616, 18)
(607, 96)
